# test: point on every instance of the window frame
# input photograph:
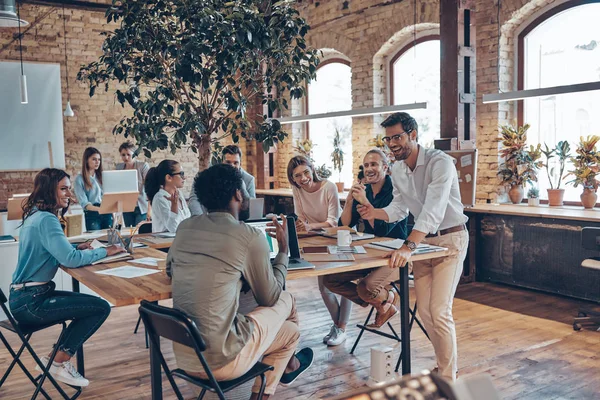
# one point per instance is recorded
(400, 53)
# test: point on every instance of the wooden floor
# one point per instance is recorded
(524, 340)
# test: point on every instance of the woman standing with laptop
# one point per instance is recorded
(127, 151)
(317, 205)
(163, 187)
(43, 246)
(88, 190)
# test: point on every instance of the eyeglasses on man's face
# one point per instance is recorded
(394, 138)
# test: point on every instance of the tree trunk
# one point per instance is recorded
(202, 143)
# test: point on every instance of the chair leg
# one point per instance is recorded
(137, 327)
(46, 368)
(263, 382)
(202, 393)
(362, 330)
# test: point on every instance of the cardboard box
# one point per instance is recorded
(74, 224)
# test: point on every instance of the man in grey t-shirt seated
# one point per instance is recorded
(212, 256)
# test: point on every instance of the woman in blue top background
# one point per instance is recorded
(43, 246)
(88, 190)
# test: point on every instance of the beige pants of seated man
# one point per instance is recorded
(435, 285)
(370, 290)
(274, 340)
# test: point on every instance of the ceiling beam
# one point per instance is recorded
(70, 4)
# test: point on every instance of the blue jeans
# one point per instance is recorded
(95, 221)
(133, 218)
(41, 305)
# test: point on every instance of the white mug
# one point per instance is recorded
(344, 238)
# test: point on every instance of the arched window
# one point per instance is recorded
(415, 76)
(561, 47)
(332, 91)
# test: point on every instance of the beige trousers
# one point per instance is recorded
(435, 285)
(274, 340)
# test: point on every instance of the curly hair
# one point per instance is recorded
(216, 185)
(408, 123)
(43, 197)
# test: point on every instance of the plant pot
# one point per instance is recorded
(516, 194)
(588, 198)
(555, 197)
(533, 201)
(340, 186)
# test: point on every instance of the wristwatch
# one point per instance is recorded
(412, 246)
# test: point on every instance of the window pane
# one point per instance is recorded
(416, 78)
(564, 49)
(331, 91)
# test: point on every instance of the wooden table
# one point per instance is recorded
(155, 287)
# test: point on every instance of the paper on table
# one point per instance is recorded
(151, 261)
(128, 271)
(96, 244)
(349, 249)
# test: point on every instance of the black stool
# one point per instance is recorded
(25, 332)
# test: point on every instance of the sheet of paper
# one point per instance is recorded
(350, 249)
(465, 161)
(151, 261)
(468, 178)
(128, 271)
(96, 244)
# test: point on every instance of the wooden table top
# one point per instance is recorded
(573, 213)
(128, 291)
(125, 291)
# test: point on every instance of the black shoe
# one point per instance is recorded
(306, 357)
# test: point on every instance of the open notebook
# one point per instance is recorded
(395, 244)
(116, 257)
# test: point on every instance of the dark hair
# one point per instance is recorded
(296, 162)
(216, 185)
(155, 178)
(361, 173)
(43, 196)
(85, 169)
(408, 123)
(232, 149)
(128, 145)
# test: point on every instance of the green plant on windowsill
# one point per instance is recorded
(586, 168)
(555, 174)
(533, 196)
(304, 147)
(337, 156)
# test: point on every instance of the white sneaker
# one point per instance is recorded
(338, 337)
(326, 337)
(65, 373)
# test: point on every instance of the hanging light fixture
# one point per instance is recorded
(532, 93)
(8, 17)
(68, 110)
(24, 99)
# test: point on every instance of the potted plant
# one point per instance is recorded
(304, 147)
(533, 196)
(520, 164)
(337, 156)
(585, 169)
(562, 151)
(379, 143)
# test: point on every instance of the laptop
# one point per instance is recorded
(296, 261)
(257, 207)
(125, 180)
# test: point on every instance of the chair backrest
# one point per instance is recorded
(3, 299)
(171, 324)
(146, 227)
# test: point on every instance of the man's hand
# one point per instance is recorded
(302, 227)
(399, 258)
(359, 193)
(366, 211)
(279, 232)
(114, 249)
(85, 246)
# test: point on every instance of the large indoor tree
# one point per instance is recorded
(191, 70)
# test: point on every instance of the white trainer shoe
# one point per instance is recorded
(326, 337)
(65, 373)
(338, 337)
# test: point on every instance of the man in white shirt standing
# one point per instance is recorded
(426, 185)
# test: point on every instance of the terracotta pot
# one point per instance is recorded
(340, 186)
(588, 198)
(555, 197)
(516, 194)
(533, 201)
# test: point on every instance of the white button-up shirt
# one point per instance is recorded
(163, 219)
(430, 192)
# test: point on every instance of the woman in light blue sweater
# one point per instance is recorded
(43, 246)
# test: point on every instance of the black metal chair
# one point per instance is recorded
(25, 332)
(178, 327)
(588, 314)
(394, 335)
(145, 227)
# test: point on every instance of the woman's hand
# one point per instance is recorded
(85, 246)
(114, 249)
(173, 197)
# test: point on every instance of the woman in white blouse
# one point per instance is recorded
(163, 184)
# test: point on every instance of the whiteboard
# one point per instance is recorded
(26, 129)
